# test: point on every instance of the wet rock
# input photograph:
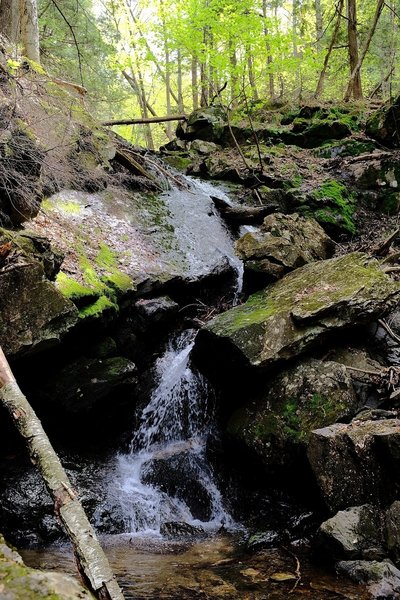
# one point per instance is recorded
(177, 476)
(293, 314)
(154, 311)
(357, 463)
(88, 384)
(104, 348)
(312, 135)
(277, 426)
(262, 540)
(203, 147)
(383, 125)
(205, 124)
(18, 582)
(176, 530)
(383, 577)
(353, 533)
(34, 315)
(285, 241)
(392, 530)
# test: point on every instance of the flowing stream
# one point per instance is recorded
(166, 477)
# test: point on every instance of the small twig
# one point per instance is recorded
(382, 248)
(367, 371)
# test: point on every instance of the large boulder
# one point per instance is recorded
(33, 313)
(383, 577)
(205, 124)
(356, 532)
(357, 463)
(294, 314)
(283, 243)
(277, 425)
(18, 581)
(88, 383)
(383, 125)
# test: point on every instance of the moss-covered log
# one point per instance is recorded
(92, 562)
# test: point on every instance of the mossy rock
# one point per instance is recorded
(346, 148)
(310, 395)
(18, 582)
(382, 125)
(295, 313)
(333, 206)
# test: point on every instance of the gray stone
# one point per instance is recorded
(357, 463)
(311, 394)
(383, 577)
(287, 241)
(293, 314)
(392, 530)
(352, 533)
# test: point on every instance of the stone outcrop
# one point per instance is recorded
(295, 313)
(277, 425)
(283, 243)
(357, 463)
(383, 125)
(33, 313)
(19, 582)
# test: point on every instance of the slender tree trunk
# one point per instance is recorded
(355, 77)
(294, 27)
(271, 82)
(167, 68)
(321, 80)
(195, 91)
(252, 79)
(181, 106)
(319, 29)
(91, 559)
(355, 82)
(204, 70)
(233, 74)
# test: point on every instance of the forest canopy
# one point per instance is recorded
(146, 59)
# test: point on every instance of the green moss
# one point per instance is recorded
(72, 289)
(337, 205)
(181, 163)
(119, 281)
(98, 307)
(391, 203)
(106, 257)
(70, 207)
(346, 148)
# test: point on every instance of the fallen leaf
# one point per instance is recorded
(282, 576)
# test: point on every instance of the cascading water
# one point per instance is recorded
(172, 436)
(166, 476)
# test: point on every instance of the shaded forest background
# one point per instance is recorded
(141, 58)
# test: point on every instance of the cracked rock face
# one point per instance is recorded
(294, 314)
(283, 243)
(357, 463)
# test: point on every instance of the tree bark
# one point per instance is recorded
(321, 80)
(271, 82)
(319, 30)
(195, 92)
(19, 23)
(91, 559)
(355, 82)
(355, 77)
(142, 121)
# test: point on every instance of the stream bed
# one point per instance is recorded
(211, 568)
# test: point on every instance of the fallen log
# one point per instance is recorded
(145, 121)
(242, 215)
(92, 562)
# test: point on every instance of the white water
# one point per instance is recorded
(176, 422)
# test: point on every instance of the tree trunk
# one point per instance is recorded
(195, 92)
(319, 29)
(356, 71)
(19, 23)
(271, 82)
(233, 74)
(91, 559)
(355, 82)
(252, 79)
(181, 106)
(321, 80)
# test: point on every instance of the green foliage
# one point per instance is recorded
(337, 205)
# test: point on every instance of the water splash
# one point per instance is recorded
(172, 436)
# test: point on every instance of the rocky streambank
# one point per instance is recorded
(99, 264)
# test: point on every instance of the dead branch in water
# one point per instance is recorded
(92, 562)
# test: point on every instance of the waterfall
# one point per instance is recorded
(166, 477)
(172, 436)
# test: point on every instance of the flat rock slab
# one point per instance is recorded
(357, 463)
(295, 313)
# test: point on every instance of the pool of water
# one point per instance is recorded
(215, 567)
